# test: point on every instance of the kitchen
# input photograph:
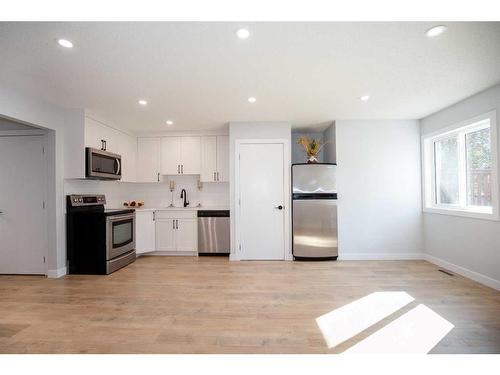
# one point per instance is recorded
(178, 185)
(284, 191)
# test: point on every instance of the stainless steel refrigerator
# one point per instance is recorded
(314, 211)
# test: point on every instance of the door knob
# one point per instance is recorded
(280, 207)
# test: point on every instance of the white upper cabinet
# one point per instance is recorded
(223, 158)
(101, 136)
(171, 155)
(180, 155)
(208, 159)
(190, 155)
(215, 159)
(95, 133)
(148, 159)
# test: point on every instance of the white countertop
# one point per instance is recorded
(188, 208)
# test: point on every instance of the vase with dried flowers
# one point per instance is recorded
(312, 147)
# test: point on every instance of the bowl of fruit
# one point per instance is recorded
(134, 204)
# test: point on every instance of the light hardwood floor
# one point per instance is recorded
(211, 305)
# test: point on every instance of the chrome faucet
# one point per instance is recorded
(184, 196)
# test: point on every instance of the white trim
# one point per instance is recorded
(55, 274)
(381, 256)
(287, 250)
(427, 160)
(21, 133)
(475, 276)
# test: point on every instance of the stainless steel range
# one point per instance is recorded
(99, 241)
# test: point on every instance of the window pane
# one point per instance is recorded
(478, 148)
(447, 184)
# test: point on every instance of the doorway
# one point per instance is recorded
(262, 199)
(23, 190)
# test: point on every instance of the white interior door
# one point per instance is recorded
(23, 223)
(261, 179)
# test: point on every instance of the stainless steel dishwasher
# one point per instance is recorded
(213, 232)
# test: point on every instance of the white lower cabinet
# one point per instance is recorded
(165, 235)
(144, 232)
(176, 231)
(186, 235)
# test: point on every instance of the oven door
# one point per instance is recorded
(120, 235)
(103, 165)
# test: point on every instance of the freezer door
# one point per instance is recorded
(314, 178)
(315, 228)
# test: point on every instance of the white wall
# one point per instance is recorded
(153, 194)
(379, 195)
(465, 245)
(251, 130)
(35, 112)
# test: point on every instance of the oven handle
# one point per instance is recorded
(118, 166)
(120, 217)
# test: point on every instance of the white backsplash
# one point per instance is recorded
(153, 194)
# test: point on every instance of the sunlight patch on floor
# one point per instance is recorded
(415, 332)
(347, 321)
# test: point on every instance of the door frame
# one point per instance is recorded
(287, 251)
(45, 162)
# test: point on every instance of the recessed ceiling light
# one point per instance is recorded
(364, 98)
(252, 99)
(65, 43)
(243, 33)
(170, 122)
(435, 31)
(142, 102)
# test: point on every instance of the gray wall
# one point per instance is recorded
(472, 244)
(379, 197)
(330, 149)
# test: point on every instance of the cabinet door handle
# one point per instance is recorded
(178, 169)
(214, 176)
(154, 215)
(102, 144)
(173, 223)
(217, 176)
(158, 176)
(182, 168)
(176, 224)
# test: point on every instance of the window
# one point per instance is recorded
(460, 169)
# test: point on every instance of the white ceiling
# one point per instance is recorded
(200, 75)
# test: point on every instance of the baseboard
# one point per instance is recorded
(59, 272)
(480, 278)
(171, 253)
(381, 256)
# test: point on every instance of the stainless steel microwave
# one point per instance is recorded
(103, 165)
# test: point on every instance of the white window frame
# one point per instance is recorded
(429, 176)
